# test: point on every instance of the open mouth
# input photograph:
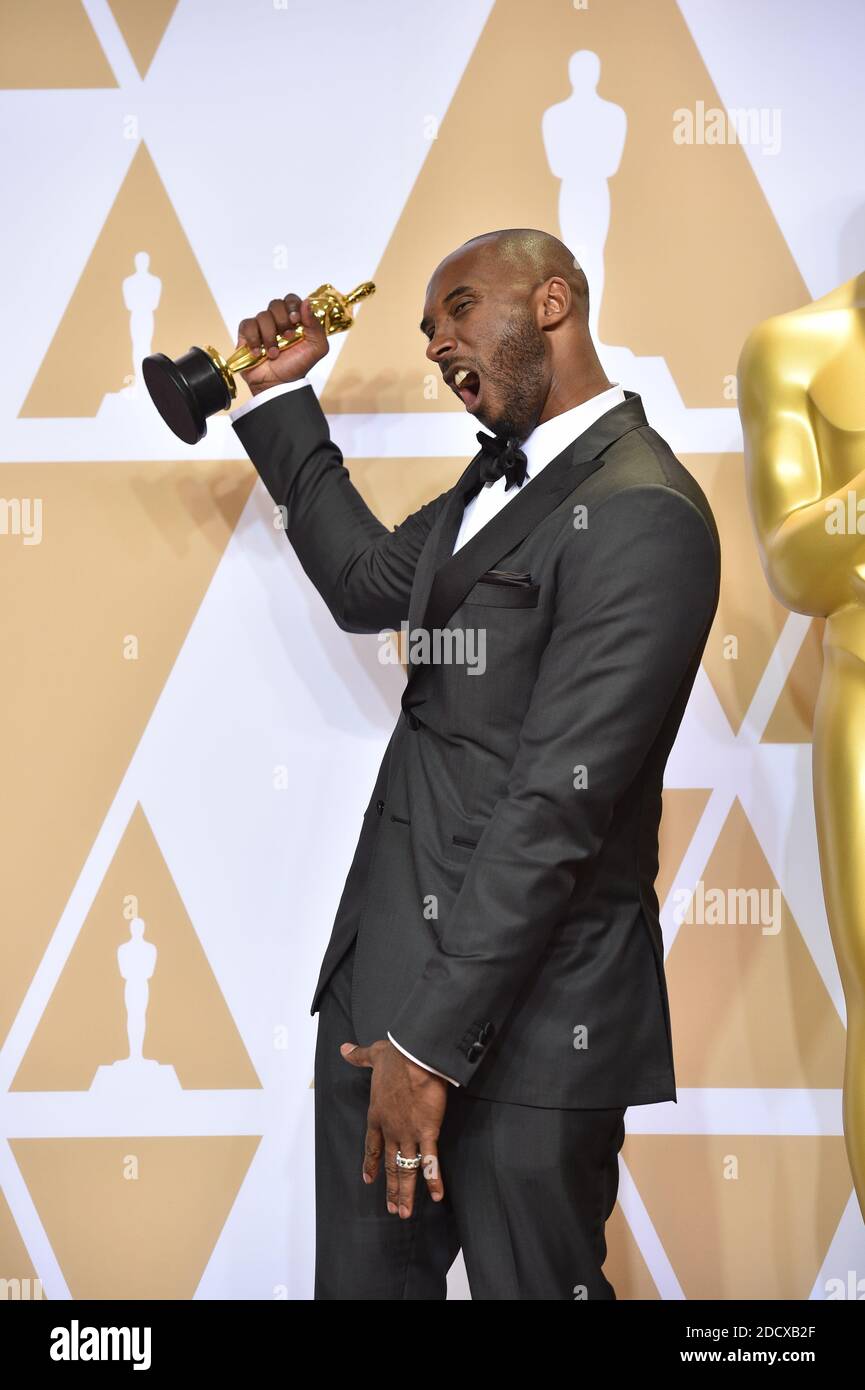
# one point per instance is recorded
(467, 385)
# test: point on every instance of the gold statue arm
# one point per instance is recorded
(785, 483)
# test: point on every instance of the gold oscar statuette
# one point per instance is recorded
(201, 382)
(802, 403)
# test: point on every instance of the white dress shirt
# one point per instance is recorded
(545, 442)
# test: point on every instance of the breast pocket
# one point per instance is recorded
(489, 593)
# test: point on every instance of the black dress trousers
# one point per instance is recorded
(528, 1190)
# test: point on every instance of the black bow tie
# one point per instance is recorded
(501, 458)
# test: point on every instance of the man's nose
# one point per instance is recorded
(441, 345)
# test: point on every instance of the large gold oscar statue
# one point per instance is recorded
(802, 403)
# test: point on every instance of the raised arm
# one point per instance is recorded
(363, 571)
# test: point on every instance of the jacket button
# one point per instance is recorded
(475, 1052)
(486, 1033)
(379, 806)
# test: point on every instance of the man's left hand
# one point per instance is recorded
(406, 1109)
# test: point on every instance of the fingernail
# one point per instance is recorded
(391, 1208)
(404, 1211)
(367, 1178)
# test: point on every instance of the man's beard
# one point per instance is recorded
(516, 373)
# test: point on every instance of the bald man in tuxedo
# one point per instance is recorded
(474, 1062)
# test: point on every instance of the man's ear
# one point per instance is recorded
(555, 302)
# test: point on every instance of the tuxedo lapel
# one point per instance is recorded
(443, 579)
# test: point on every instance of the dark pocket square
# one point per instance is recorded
(505, 577)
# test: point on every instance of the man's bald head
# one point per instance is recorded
(532, 256)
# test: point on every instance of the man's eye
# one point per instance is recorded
(464, 303)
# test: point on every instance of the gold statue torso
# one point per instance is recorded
(802, 401)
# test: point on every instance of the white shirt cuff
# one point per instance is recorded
(266, 395)
(421, 1064)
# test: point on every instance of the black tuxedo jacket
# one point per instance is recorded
(501, 892)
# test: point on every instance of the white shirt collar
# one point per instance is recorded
(548, 440)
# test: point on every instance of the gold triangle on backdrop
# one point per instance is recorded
(142, 27)
(747, 609)
(188, 1023)
(792, 719)
(393, 488)
(77, 705)
(146, 1236)
(698, 198)
(50, 45)
(15, 1263)
(91, 354)
(749, 1009)
(744, 1236)
(682, 809)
